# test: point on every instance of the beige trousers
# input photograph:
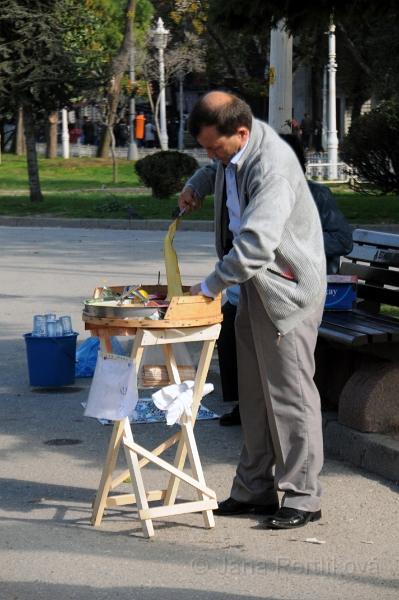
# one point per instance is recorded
(279, 407)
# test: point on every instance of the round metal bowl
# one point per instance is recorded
(110, 309)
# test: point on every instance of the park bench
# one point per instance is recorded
(357, 354)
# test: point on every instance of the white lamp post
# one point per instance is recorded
(65, 134)
(280, 79)
(181, 127)
(324, 128)
(161, 41)
(332, 144)
(132, 153)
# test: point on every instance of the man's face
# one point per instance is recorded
(221, 146)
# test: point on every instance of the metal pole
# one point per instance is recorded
(280, 80)
(65, 134)
(332, 116)
(162, 103)
(132, 153)
(324, 128)
(181, 128)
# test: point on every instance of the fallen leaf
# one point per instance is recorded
(37, 500)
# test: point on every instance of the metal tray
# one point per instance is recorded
(107, 308)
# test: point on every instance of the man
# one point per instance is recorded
(337, 236)
(269, 240)
(306, 129)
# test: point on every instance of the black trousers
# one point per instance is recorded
(228, 354)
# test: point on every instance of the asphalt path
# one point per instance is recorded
(49, 550)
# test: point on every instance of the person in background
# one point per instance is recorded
(140, 129)
(75, 134)
(268, 240)
(149, 135)
(88, 131)
(96, 132)
(306, 130)
(338, 242)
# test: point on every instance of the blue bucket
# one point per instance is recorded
(51, 360)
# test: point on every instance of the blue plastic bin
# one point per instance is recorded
(51, 360)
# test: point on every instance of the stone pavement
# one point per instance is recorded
(49, 550)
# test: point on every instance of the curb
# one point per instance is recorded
(121, 224)
(375, 452)
(142, 225)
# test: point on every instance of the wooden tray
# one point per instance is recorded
(183, 311)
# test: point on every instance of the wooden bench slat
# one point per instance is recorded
(335, 333)
(378, 294)
(381, 256)
(377, 238)
(390, 325)
(351, 322)
(371, 274)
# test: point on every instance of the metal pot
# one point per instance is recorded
(109, 308)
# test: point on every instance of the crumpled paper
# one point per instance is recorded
(176, 400)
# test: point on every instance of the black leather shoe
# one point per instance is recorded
(231, 418)
(233, 507)
(289, 518)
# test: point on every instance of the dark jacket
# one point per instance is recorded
(336, 232)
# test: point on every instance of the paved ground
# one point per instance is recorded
(48, 549)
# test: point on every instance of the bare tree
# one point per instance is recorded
(178, 62)
(118, 67)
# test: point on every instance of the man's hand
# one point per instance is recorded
(190, 200)
(195, 290)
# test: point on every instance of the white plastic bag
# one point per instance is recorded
(113, 393)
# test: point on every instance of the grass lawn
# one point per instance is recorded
(57, 174)
(58, 177)
(96, 205)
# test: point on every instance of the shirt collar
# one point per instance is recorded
(237, 156)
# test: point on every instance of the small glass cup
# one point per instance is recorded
(66, 322)
(58, 328)
(51, 327)
(50, 316)
(39, 326)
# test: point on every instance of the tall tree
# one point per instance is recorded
(119, 63)
(38, 71)
(298, 15)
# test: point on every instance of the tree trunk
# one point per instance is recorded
(33, 170)
(118, 67)
(51, 135)
(114, 160)
(20, 146)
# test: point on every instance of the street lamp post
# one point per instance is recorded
(132, 153)
(332, 143)
(324, 128)
(181, 126)
(161, 41)
(65, 134)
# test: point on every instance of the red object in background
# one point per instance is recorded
(74, 135)
(140, 120)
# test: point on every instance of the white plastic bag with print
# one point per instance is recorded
(113, 393)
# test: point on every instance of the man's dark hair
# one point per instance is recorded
(296, 144)
(226, 117)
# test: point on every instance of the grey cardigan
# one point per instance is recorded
(280, 229)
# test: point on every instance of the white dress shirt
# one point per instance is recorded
(233, 202)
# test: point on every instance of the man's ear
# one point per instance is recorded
(243, 132)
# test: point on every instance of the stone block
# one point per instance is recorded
(369, 401)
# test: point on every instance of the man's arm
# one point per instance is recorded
(200, 185)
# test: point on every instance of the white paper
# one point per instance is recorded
(113, 393)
